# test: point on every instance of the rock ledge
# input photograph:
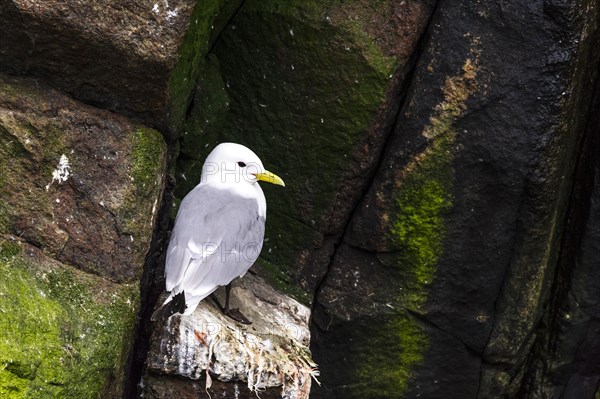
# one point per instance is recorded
(271, 355)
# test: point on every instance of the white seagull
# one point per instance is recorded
(219, 230)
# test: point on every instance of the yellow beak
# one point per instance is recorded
(270, 178)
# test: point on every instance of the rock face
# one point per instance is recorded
(313, 88)
(270, 356)
(442, 284)
(80, 188)
(140, 58)
(570, 329)
(433, 181)
(440, 224)
(81, 183)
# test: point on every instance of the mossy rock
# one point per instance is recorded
(80, 188)
(82, 184)
(376, 298)
(299, 85)
(386, 355)
(206, 22)
(62, 332)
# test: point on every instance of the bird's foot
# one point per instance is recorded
(236, 315)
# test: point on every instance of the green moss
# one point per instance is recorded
(422, 199)
(396, 347)
(206, 21)
(9, 249)
(61, 334)
(147, 154)
(135, 217)
(148, 158)
(385, 360)
(372, 52)
(418, 230)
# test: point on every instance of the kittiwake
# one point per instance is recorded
(218, 232)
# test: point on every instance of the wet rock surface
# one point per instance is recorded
(568, 332)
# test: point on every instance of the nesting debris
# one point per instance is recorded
(272, 352)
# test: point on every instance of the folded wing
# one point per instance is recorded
(217, 237)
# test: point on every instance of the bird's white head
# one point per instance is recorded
(235, 166)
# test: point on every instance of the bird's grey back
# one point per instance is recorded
(217, 236)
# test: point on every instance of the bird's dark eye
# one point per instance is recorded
(241, 164)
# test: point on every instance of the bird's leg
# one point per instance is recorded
(227, 293)
(216, 301)
(235, 314)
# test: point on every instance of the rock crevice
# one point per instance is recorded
(399, 90)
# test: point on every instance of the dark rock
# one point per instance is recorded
(452, 251)
(80, 183)
(568, 335)
(441, 214)
(140, 58)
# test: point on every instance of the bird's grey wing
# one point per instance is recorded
(236, 251)
(189, 221)
(177, 261)
(217, 237)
